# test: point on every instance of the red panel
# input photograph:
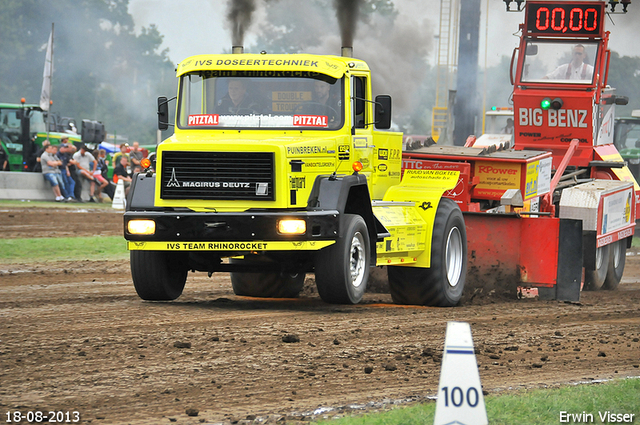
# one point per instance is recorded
(552, 130)
(512, 249)
(539, 250)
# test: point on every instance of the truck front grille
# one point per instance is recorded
(217, 175)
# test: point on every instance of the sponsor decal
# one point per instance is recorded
(319, 164)
(254, 246)
(343, 152)
(261, 188)
(310, 120)
(383, 154)
(297, 182)
(563, 118)
(306, 150)
(495, 178)
(426, 205)
(382, 167)
(204, 119)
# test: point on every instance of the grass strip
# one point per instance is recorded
(63, 249)
(538, 406)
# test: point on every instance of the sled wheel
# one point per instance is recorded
(267, 284)
(158, 275)
(342, 269)
(617, 257)
(442, 283)
(594, 279)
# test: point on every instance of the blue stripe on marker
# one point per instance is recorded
(460, 352)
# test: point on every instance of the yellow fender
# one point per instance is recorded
(423, 188)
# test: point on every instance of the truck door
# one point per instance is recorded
(361, 118)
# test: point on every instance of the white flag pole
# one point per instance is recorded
(45, 96)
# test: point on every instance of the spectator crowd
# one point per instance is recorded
(68, 168)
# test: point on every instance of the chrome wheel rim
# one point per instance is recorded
(453, 256)
(357, 260)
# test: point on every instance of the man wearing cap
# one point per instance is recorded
(86, 164)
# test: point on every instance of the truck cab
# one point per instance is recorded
(278, 166)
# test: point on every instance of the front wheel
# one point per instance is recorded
(617, 258)
(342, 269)
(158, 275)
(441, 284)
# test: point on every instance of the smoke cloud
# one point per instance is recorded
(239, 15)
(347, 14)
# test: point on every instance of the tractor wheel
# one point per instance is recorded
(342, 269)
(267, 284)
(158, 275)
(594, 279)
(442, 283)
(617, 257)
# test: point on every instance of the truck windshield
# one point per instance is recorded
(10, 130)
(627, 134)
(561, 62)
(298, 100)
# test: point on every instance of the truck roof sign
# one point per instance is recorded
(334, 66)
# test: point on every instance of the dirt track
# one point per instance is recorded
(74, 336)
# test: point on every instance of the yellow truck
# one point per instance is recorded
(278, 167)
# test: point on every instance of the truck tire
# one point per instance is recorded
(617, 258)
(158, 275)
(267, 284)
(342, 269)
(594, 279)
(441, 284)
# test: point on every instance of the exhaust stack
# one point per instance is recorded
(237, 50)
(347, 51)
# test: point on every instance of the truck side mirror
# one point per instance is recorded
(163, 113)
(383, 112)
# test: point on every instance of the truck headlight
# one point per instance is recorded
(141, 227)
(292, 226)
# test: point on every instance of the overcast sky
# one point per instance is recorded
(198, 27)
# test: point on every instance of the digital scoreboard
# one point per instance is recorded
(565, 19)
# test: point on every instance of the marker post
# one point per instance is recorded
(460, 400)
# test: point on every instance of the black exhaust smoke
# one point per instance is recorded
(347, 13)
(239, 16)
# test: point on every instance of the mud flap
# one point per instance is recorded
(569, 278)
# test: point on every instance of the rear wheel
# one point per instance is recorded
(342, 269)
(267, 284)
(158, 275)
(617, 258)
(594, 279)
(442, 283)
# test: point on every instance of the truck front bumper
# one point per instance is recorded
(238, 232)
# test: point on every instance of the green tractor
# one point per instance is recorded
(626, 136)
(23, 129)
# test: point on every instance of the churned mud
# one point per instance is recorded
(74, 336)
